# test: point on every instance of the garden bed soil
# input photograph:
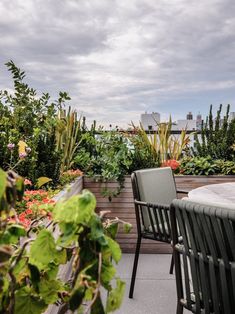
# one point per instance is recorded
(123, 208)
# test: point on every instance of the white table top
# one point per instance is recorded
(222, 195)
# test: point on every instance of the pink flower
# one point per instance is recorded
(10, 146)
(27, 182)
(22, 155)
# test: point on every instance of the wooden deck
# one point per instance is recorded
(123, 208)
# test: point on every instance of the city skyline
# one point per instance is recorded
(118, 59)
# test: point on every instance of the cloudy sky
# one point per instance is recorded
(120, 58)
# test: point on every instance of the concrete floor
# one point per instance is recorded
(155, 290)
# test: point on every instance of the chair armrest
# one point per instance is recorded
(182, 191)
(161, 206)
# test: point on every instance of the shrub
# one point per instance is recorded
(217, 137)
(198, 166)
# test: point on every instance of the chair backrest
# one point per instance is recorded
(204, 257)
(156, 186)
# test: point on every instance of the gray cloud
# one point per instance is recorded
(120, 58)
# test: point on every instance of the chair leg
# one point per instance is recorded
(137, 252)
(172, 265)
(179, 309)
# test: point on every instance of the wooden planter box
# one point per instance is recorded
(123, 208)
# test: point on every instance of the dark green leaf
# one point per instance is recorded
(76, 298)
(97, 307)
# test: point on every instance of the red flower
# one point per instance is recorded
(174, 164)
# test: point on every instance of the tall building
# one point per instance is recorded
(149, 121)
(189, 116)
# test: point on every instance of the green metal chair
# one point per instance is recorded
(153, 190)
(204, 258)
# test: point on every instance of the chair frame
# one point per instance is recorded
(206, 254)
(160, 213)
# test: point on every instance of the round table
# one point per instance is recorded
(221, 195)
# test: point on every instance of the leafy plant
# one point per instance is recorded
(217, 137)
(29, 118)
(68, 134)
(110, 159)
(198, 166)
(162, 144)
(29, 272)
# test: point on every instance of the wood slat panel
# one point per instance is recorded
(123, 207)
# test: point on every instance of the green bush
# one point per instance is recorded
(217, 137)
(108, 156)
(27, 117)
(198, 166)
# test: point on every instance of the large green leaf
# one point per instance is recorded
(26, 302)
(43, 250)
(49, 290)
(77, 209)
(115, 297)
(3, 182)
(114, 248)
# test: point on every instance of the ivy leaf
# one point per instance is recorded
(115, 296)
(43, 250)
(26, 302)
(77, 209)
(114, 248)
(3, 182)
(49, 290)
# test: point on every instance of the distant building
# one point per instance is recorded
(199, 122)
(149, 121)
(231, 116)
(187, 123)
(189, 116)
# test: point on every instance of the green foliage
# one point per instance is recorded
(28, 272)
(217, 137)
(28, 117)
(107, 156)
(151, 150)
(198, 166)
(68, 135)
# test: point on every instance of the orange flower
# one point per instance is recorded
(174, 164)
